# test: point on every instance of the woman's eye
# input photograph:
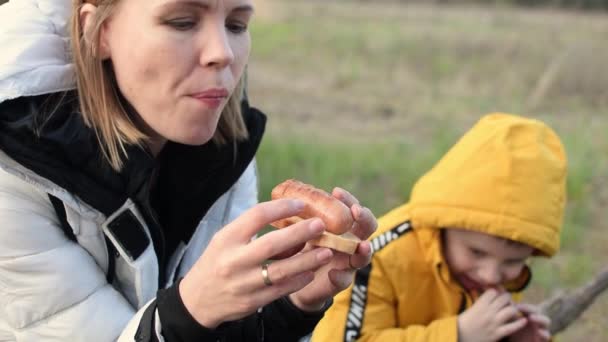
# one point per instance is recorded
(181, 24)
(236, 27)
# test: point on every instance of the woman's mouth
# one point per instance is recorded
(212, 98)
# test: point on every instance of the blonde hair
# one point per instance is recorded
(101, 104)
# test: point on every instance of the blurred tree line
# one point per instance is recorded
(567, 4)
(574, 4)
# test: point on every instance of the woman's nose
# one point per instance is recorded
(217, 51)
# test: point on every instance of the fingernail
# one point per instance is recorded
(357, 211)
(338, 192)
(297, 204)
(346, 279)
(324, 255)
(316, 226)
(367, 247)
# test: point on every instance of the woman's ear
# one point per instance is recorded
(101, 48)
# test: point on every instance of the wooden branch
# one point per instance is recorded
(565, 308)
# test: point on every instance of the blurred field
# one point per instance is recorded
(368, 96)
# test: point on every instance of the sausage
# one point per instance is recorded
(318, 203)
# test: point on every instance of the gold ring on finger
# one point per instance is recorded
(267, 280)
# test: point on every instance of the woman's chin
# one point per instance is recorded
(195, 140)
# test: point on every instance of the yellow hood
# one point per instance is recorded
(505, 177)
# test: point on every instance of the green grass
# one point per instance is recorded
(581, 172)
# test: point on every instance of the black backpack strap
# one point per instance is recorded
(60, 210)
(69, 233)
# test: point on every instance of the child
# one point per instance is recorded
(446, 264)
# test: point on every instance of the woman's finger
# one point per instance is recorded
(344, 196)
(255, 219)
(267, 294)
(328, 281)
(362, 256)
(289, 252)
(365, 222)
(283, 270)
(285, 239)
(335, 281)
(340, 280)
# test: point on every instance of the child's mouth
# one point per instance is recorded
(470, 284)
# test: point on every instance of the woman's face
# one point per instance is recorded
(178, 61)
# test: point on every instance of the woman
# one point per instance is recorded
(112, 195)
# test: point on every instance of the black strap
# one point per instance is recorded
(60, 210)
(146, 331)
(112, 255)
(358, 303)
(69, 233)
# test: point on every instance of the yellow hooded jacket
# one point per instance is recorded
(505, 177)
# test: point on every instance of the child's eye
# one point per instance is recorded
(514, 262)
(478, 253)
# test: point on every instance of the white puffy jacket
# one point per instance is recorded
(54, 289)
(35, 48)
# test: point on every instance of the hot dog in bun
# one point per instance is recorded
(318, 203)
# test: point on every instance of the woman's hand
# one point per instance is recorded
(537, 327)
(337, 275)
(227, 282)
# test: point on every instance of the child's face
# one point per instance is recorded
(480, 261)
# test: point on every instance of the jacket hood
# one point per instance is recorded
(505, 177)
(35, 57)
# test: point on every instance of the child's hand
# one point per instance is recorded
(491, 318)
(536, 328)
